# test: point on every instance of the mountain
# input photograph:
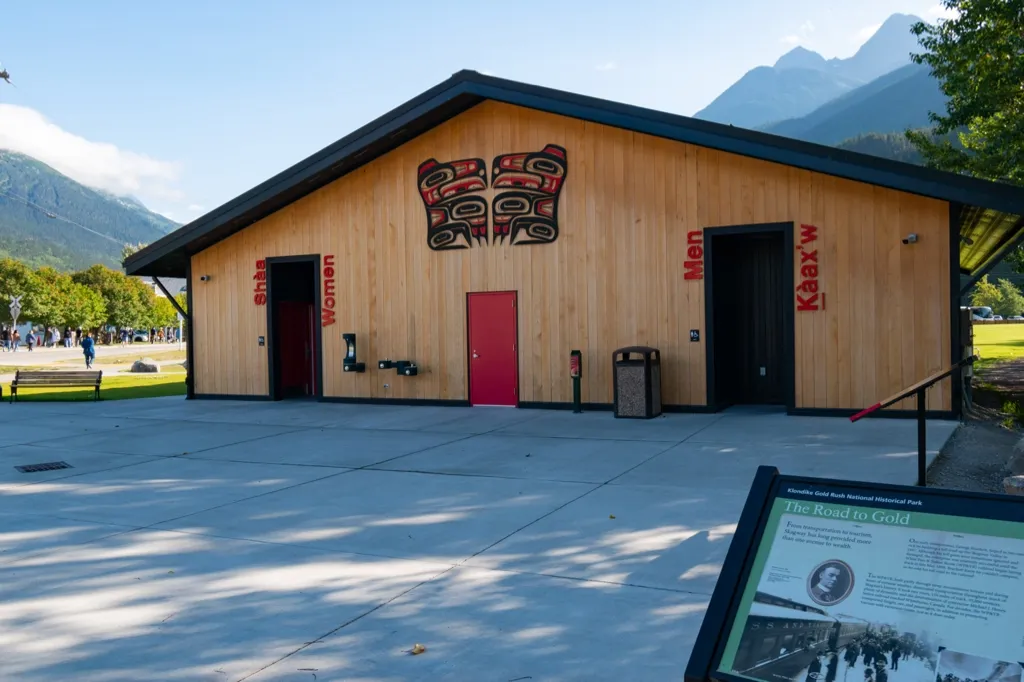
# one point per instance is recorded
(46, 218)
(894, 102)
(802, 81)
(893, 146)
(768, 94)
(888, 49)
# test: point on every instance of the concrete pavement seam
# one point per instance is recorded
(347, 623)
(657, 454)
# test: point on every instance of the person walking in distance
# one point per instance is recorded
(30, 339)
(5, 338)
(89, 350)
(15, 339)
(67, 337)
(896, 653)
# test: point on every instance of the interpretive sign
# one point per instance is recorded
(833, 580)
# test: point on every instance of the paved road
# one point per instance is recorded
(214, 540)
(43, 356)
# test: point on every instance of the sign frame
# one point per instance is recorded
(709, 647)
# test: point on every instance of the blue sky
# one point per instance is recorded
(187, 104)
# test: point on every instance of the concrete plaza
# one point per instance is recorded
(209, 540)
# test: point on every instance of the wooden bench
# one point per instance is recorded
(39, 378)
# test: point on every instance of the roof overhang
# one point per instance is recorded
(992, 211)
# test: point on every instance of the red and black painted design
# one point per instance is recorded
(527, 186)
(456, 207)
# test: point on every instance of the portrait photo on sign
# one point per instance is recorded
(830, 582)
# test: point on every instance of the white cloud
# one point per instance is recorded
(940, 11)
(606, 66)
(96, 164)
(196, 207)
(803, 32)
(866, 32)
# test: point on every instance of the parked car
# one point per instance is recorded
(981, 312)
(141, 337)
(996, 317)
(1016, 317)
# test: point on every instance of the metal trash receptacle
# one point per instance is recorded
(636, 373)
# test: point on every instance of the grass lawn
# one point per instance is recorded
(995, 343)
(113, 388)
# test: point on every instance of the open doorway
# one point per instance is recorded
(293, 328)
(749, 315)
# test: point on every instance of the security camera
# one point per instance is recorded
(206, 278)
(910, 239)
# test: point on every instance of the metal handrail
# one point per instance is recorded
(919, 388)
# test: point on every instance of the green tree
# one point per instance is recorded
(977, 57)
(1002, 297)
(129, 249)
(56, 292)
(17, 279)
(127, 300)
(986, 294)
(85, 309)
(182, 300)
(164, 314)
(1013, 302)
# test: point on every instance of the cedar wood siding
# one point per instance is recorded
(613, 278)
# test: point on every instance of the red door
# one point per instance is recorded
(493, 365)
(298, 354)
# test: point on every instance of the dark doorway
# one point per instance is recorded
(293, 327)
(750, 315)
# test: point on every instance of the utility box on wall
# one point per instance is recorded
(636, 373)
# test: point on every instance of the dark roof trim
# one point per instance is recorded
(391, 125)
(465, 89)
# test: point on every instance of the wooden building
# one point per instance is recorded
(483, 230)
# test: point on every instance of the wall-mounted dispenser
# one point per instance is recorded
(407, 368)
(349, 364)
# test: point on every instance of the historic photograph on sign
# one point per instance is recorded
(857, 594)
(955, 666)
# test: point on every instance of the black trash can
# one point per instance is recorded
(636, 373)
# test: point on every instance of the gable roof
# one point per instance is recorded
(990, 215)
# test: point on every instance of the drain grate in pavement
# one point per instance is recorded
(45, 466)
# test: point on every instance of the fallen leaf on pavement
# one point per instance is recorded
(417, 649)
(611, 516)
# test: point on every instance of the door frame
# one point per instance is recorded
(469, 349)
(788, 308)
(318, 376)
